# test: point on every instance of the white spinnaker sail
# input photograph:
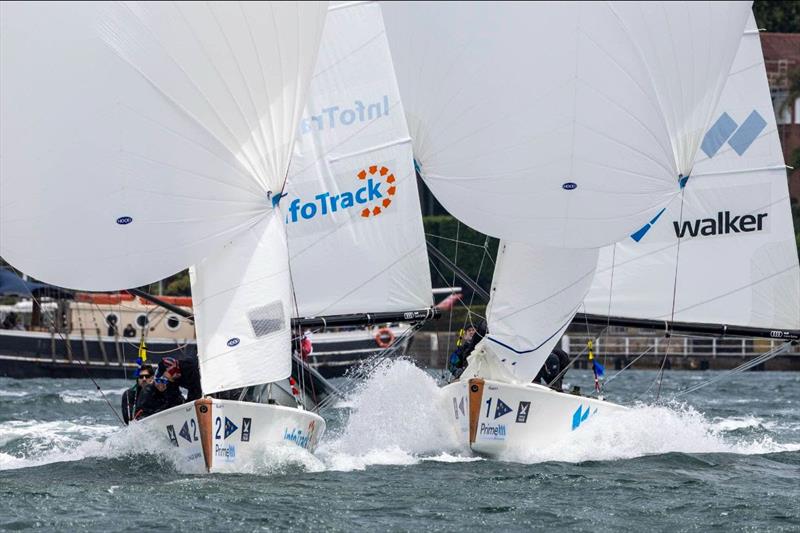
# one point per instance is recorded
(242, 306)
(137, 138)
(559, 124)
(737, 263)
(536, 292)
(352, 207)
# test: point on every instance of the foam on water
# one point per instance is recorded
(398, 416)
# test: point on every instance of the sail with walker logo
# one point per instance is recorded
(352, 205)
(559, 124)
(559, 151)
(171, 125)
(728, 250)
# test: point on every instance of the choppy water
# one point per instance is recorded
(728, 458)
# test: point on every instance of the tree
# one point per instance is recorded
(780, 17)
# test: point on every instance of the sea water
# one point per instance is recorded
(726, 457)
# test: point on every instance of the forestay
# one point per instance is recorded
(352, 208)
(535, 294)
(139, 138)
(559, 124)
(242, 306)
(737, 262)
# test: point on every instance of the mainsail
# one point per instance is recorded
(737, 259)
(179, 120)
(560, 124)
(352, 207)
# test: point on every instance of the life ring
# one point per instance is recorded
(384, 338)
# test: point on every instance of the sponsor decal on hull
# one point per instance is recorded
(522, 412)
(228, 453)
(492, 432)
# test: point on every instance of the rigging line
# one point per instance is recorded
(298, 345)
(83, 367)
(453, 284)
(453, 240)
(612, 378)
(674, 297)
(571, 362)
(739, 369)
(459, 302)
(610, 291)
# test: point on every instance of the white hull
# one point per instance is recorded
(492, 417)
(221, 435)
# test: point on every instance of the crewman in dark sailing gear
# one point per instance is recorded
(550, 374)
(184, 372)
(458, 359)
(156, 397)
(144, 377)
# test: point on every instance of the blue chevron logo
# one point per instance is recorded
(738, 137)
(580, 416)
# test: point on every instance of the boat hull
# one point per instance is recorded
(493, 417)
(214, 435)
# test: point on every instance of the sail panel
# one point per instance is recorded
(353, 205)
(242, 306)
(536, 292)
(138, 138)
(737, 263)
(559, 124)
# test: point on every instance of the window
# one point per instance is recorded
(173, 322)
(142, 321)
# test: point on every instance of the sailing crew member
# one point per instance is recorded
(144, 377)
(550, 374)
(458, 359)
(184, 372)
(156, 397)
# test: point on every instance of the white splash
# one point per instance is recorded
(397, 419)
(649, 430)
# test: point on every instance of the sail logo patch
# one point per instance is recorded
(738, 137)
(522, 412)
(233, 342)
(372, 198)
(501, 409)
(335, 116)
(246, 424)
(124, 220)
(723, 224)
(569, 186)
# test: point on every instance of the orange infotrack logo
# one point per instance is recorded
(375, 194)
(381, 175)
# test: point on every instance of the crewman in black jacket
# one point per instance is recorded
(144, 377)
(156, 397)
(184, 373)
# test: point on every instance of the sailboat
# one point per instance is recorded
(560, 129)
(178, 122)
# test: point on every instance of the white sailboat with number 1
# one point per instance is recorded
(561, 129)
